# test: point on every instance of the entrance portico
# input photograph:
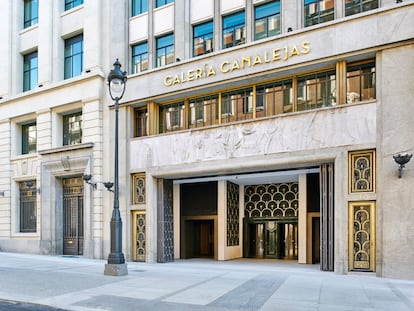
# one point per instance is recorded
(260, 215)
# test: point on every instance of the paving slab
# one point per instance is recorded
(77, 283)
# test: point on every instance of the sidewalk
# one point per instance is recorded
(77, 283)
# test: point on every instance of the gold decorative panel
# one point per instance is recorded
(139, 237)
(361, 171)
(362, 236)
(271, 200)
(138, 189)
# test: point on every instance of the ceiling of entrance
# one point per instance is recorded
(255, 178)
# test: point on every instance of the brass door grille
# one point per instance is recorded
(362, 236)
(139, 237)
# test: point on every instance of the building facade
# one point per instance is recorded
(259, 129)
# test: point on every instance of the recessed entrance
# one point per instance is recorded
(72, 216)
(277, 222)
(198, 239)
(198, 217)
(272, 239)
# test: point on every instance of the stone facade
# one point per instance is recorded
(278, 148)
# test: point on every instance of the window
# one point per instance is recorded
(234, 30)
(139, 57)
(27, 207)
(171, 117)
(139, 7)
(70, 4)
(73, 56)
(165, 50)
(29, 71)
(203, 39)
(203, 111)
(31, 13)
(274, 98)
(29, 138)
(267, 20)
(360, 83)
(237, 105)
(163, 2)
(318, 11)
(72, 128)
(141, 122)
(317, 90)
(358, 6)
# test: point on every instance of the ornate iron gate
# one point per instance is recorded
(73, 216)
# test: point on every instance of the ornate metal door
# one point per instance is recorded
(73, 216)
(139, 237)
(362, 236)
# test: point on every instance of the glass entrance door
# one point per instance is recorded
(290, 240)
(273, 239)
(281, 240)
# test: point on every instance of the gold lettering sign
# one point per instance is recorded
(277, 54)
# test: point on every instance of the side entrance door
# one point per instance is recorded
(72, 216)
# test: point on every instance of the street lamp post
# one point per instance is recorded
(116, 265)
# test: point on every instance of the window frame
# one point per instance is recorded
(139, 56)
(202, 111)
(166, 48)
(205, 37)
(352, 7)
(138, 7)
(141, 122)
(319, 80)
(271, 107)
(266, 6)
(172, 117)
(236, 105)
(27, 208)
(318, 12)
(71, 4)
(232, 28)
(30, 13)
(30, 71)
(363, 76)
(69, 136)
(160, 3)
(73, 58)
(26, 130)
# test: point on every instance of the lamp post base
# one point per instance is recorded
(116, 269)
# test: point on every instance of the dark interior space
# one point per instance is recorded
(199, 199)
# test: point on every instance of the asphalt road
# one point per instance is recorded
(7, 305)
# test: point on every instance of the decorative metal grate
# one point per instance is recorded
(140, 240)
(232, 214)
(138, 184)
(272, 200)
(362, 171)
(165, 215)
(362, 236)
